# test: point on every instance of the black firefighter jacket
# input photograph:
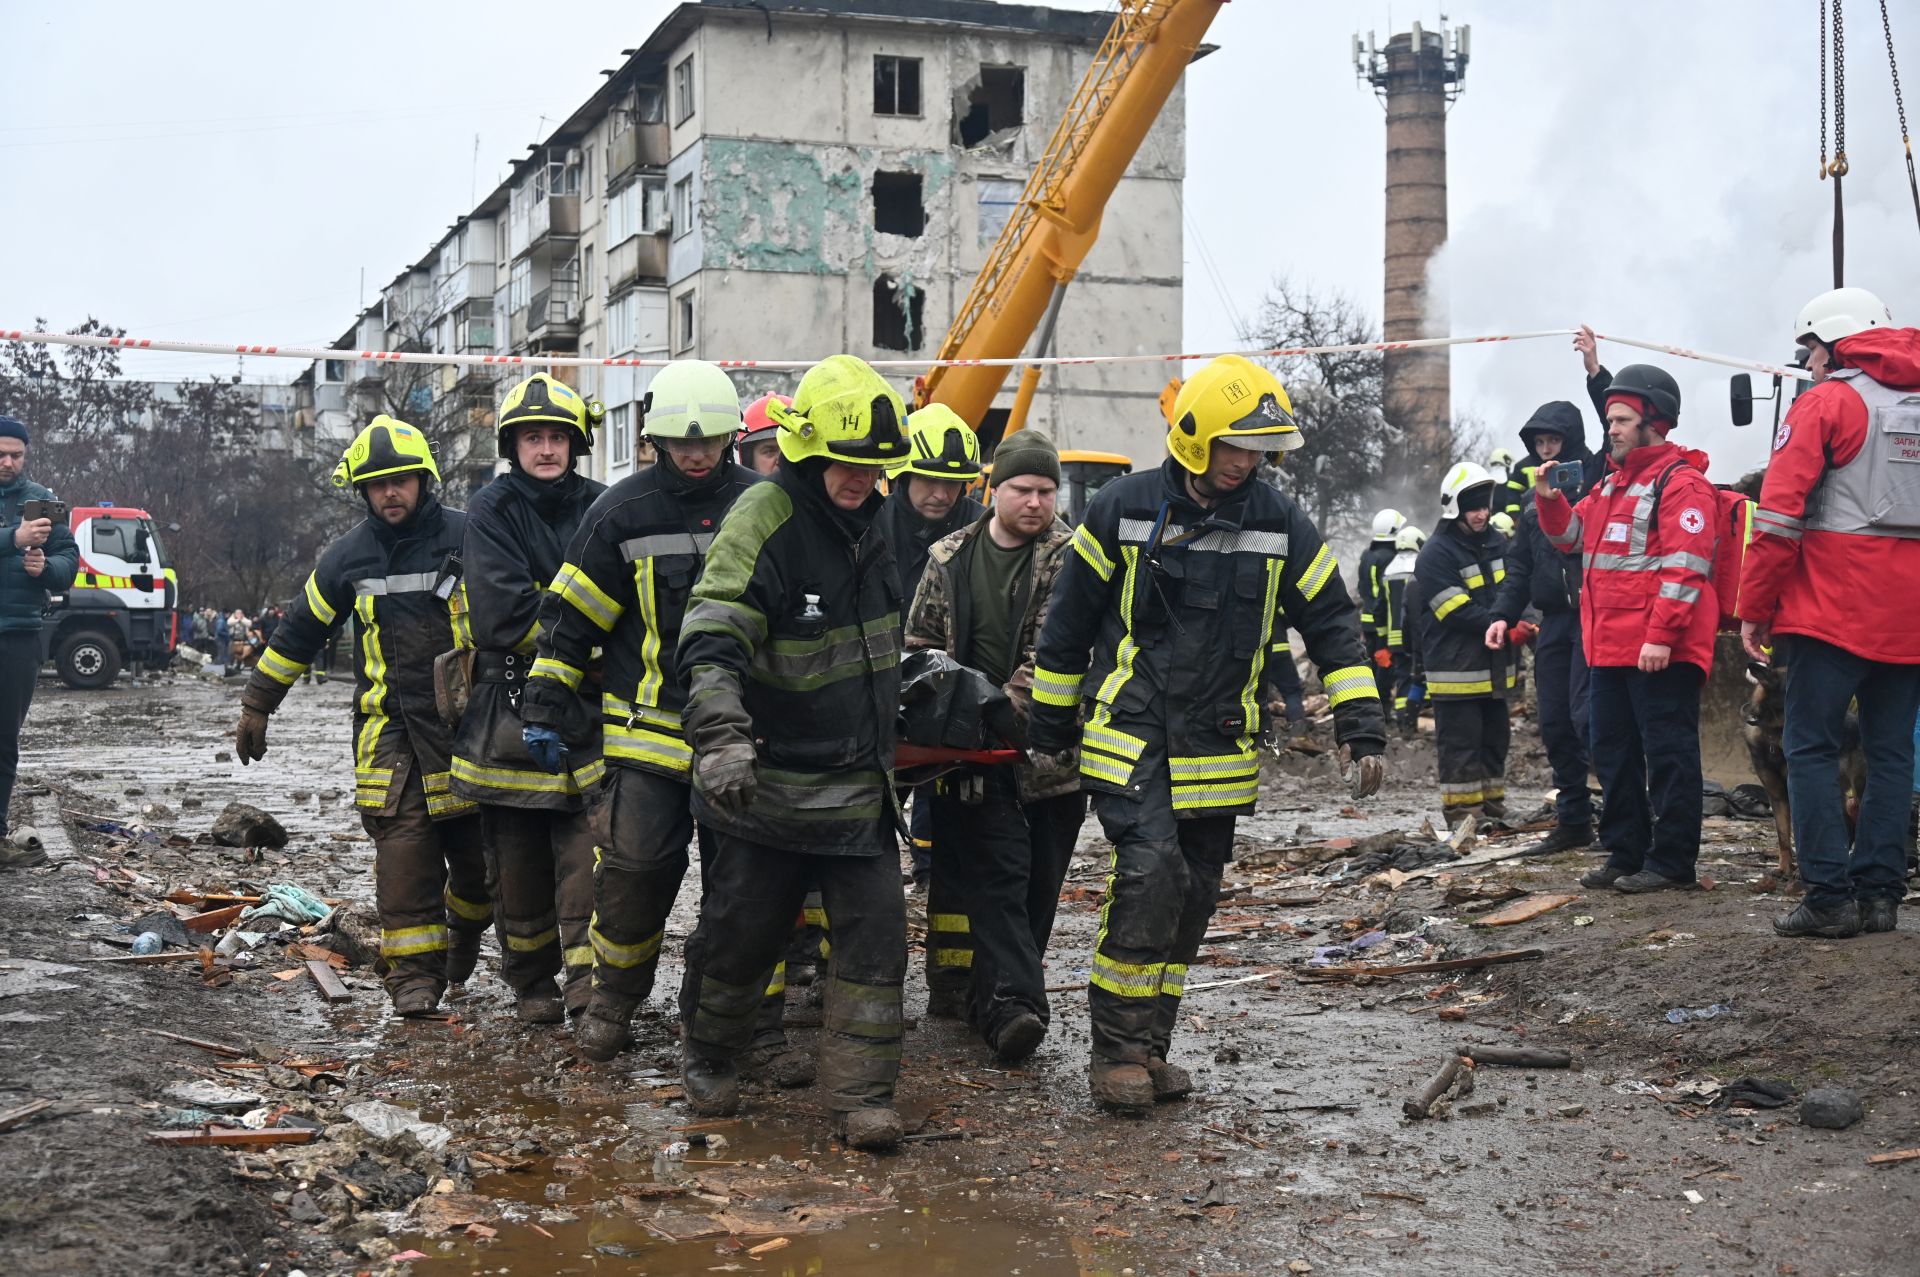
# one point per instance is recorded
(624, 587)
(517, 531)
(1373, 592)
(1457, 576)
(792, 645)
(1161, 626)
(1538, 574)
(911, 538)
(402, 588)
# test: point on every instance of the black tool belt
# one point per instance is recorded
(501, 667)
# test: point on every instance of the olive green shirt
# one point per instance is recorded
(994, 577)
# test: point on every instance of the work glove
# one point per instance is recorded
(250, 736)
(1416, 694)
(1367, 774)
(727, 777)
(1055, 735)
(549, 752)
(1383, 657)
(1520, 633)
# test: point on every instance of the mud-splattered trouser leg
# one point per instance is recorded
(540, 862)
(428, 876)
(808, 946)
(746, 915)
(642, 863)
(1161, 893)
(1460, 752)
(949, 931)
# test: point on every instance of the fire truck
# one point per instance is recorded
(124, 602)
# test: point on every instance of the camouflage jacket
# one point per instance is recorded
(938, 619)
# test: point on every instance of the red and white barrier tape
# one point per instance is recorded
(890, 365)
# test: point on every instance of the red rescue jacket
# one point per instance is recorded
(1645, 563)
(1860, 593)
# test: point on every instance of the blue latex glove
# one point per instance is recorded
(1416, 693)
(545, 745)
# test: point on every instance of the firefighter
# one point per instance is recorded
(759, 442)
(398, 574)
(1648, 613)
(1401, 622)
(1541, 579)
(929, 501)
(1829, 584)
(1510, 483)
(1468, 677)
(1002, 838)
(537, 827)
(1372, 590)
(790, 652)
(1160, 629)
(623, 587)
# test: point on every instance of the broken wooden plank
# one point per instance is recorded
(225, 1135)
(1422, 1104)
(1414, 968)
(1523, 910)
(15, 1117)
(232, 1052)
(329, 984)
(1903, 1155)
(213, 919)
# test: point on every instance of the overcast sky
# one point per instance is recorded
(223, 172)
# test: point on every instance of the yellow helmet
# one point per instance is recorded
(1233, 400)
(844, 411)
(943, 445)
(386, 447)
(546, 400)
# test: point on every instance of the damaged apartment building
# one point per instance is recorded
(781, 181)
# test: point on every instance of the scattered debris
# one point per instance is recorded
(241, 825)
(1523, 910)
(1687, 1015)
(1518, 1057)
(1831, 1108)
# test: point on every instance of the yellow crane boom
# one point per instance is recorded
(1058, 216)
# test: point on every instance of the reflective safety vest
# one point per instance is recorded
(1163, 621)
(1460, 574)
(624, 587)
(404, 590)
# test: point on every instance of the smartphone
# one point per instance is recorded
(54, 510)
(1567, 476)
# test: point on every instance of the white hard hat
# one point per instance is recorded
(1409, 538)
(1387, 523)
(1460, 479)
(1841, 312)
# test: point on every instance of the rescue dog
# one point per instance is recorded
(1765, 720)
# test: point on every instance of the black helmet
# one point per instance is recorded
(1655, 385)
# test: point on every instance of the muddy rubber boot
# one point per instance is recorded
(872, 1130)
(947, 1004)
(1879, 913)
(712, 1086)
(604, 1031)
(539, 1004)
(1170, 1081)
(1018, 1038)
(1124, 1088)
(463, 955)
(772, 1054)
(414, 1000)
(1838, 923)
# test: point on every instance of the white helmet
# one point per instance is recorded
(1462, 478)
(1841, 312)
(1500, 463)
(1388, 523)
(1409, 538)
(1502, 523)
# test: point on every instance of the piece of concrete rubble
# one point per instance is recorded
(241, 825)
(1831, 1108)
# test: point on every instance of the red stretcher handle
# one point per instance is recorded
(929, 755)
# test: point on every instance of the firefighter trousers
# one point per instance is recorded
(540, 872)
(997, 869)
(649, 825)
(752, 895)
(1470, 739)
(429, 876)
(1161, 891)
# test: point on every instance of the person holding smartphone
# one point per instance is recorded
(37, 558)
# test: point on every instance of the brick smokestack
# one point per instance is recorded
(1417, 76)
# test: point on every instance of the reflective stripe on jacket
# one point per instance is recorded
(391, 581)
(1459, 573)
(625, 585)
(1163, 621)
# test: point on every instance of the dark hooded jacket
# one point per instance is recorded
(1538, 575)
(911, 537)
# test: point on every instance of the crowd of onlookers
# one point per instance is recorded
(233, 639)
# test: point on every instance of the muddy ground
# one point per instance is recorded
(1294, 1155)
